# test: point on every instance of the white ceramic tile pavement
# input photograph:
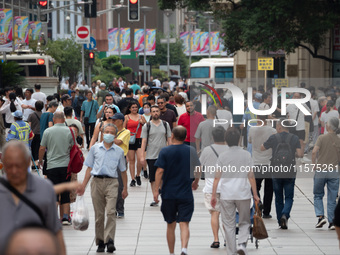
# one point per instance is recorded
(143, 230)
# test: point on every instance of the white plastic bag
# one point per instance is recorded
(80, 219)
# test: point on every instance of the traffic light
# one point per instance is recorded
(133, 10)
(91, 58)
(43, 17)
(90, 9)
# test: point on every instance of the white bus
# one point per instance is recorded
(37, 69)
(218, 70)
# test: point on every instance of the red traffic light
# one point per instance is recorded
(41, 61)
(133, 1)
(91, 55)
(43, 3)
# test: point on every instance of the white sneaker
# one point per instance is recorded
(242, 250)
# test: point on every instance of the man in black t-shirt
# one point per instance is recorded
(284, 187)
(166, 97)
(124, 103)
(166, 114)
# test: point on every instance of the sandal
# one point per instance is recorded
(215, 245)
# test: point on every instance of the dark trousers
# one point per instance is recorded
(268, 193)
(89, 128)
(35, 146)
(120, 200)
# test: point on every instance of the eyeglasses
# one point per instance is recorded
(160, 103)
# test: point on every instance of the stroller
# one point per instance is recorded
(252, 212)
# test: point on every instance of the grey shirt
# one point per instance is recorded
(204, 132)
(41, 193)
(58, 140)
(156, 138)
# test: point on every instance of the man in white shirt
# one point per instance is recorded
(121, 83)
(39, 96)
(28, 104)
(223, 115)
(65, 86)
(209, 158)
(257, 136)
(235, 191)
(328, 114)
(83, 86)
(295, 113)
(157, 82)
(172, 84)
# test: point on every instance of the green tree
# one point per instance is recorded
(108, 68)
(271, 25)
(67, 54)
(177, 57)
(11, 74)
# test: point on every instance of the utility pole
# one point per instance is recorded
(145, 9)
(168, 13)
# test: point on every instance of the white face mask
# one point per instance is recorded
(108, 138)
(147, 110)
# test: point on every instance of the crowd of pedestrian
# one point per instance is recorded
(157, 132)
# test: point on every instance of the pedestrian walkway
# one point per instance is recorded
(143, 230)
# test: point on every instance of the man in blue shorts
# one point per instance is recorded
(175, 166)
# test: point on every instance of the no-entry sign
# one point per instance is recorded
(83, 34)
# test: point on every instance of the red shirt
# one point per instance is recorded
(190, 122)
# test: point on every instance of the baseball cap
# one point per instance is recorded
(102, 84)
(117, 116)
(258, 96)
(17, 114)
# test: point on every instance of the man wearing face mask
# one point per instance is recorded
(103, 162)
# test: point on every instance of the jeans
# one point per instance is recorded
(284, 194)
(89, 128)
(332, 181)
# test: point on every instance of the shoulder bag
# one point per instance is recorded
(24, 199)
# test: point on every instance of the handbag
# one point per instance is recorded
(87, 119)
(76, 158)
(133, 135)
(259, 229)
(24, 199)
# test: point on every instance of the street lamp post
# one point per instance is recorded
(118, 8)
(145, 9)
(190, 15)
(168, 13)
(208, 14)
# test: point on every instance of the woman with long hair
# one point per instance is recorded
(134, 122)
(180, 104)
(109, 111)
(9, 106)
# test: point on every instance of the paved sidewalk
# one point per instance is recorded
(142, 231)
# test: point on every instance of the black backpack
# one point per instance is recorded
(283, 155)
(80, 100)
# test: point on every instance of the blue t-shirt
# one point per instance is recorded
(135, 87)
(86, 107)
(45, 118)
(178, 162)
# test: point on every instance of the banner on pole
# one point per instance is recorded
(6, 29)
(150, 41)
(125, 42)
(21, 31)
(34, 32)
